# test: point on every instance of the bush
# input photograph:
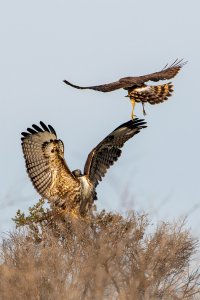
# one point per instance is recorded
(106, 256)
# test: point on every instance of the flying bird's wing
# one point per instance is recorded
(128, 82)
(101, 88)
(45, 164)
(165, 73)
(109, 150)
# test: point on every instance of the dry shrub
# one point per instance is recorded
(107, 256)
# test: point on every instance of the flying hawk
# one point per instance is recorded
(51, 176)
(138, 91)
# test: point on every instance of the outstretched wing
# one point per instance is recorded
(101, 88)
(109, 150)
(128, 82)
(165, 73)
(45, 164)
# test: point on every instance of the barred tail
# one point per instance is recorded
(160, 93)
(153, 94)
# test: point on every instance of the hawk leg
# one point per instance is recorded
(133, 106)
(144, 112)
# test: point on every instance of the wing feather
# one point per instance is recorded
(108, 150)
(45, 164)
(45, 128)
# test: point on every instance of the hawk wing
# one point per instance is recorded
(128, 82)
(101, 88)
(45, 164)
(165, 73)
(109, 150)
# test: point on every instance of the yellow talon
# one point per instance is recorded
(133, 106)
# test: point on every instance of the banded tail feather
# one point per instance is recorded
(152, 94)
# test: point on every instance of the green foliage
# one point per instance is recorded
(35, 214)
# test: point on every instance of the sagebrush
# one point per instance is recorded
(106, 256)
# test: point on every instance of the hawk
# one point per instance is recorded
(71, 191)
(138, 91)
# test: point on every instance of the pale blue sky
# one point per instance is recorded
(93, 42)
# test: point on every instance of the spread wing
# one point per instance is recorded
(165, 73)
(109, 150)
(128, 82)
(45, 164)
(101, 88)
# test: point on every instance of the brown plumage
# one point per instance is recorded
(52, 178)
(137, 90)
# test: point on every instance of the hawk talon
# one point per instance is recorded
(133, 116)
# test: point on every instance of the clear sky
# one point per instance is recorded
(93, 42)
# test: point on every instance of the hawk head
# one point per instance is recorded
(77, 173)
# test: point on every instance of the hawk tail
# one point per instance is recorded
(160, 93)
(152, 94)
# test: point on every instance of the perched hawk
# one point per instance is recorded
(138, 91)
(51, 176)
